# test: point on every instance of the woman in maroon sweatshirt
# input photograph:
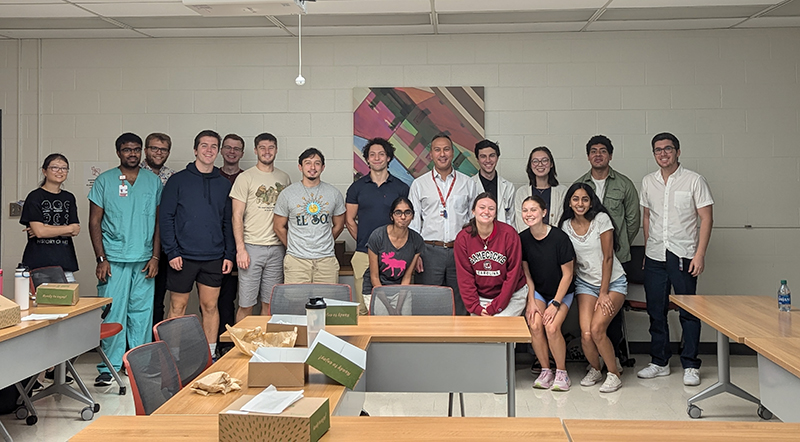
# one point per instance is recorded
(489, 263)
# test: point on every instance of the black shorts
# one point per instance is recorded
(204, 272)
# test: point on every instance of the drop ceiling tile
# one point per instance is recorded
(700, 12)
(70, 33)
(687, 3)
(514, 5)
(197, 21)
(140, 9)
(56, 23)
(333, 20)
(42, 10)
(771, 22)
(366, 30)
(215, 32)
(510, 28)
(30, 2)
(660, 25)
(516, 17)
(789, 9)
(368, 6)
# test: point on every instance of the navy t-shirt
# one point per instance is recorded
(373, 204)
(52, 209)
(545, 259)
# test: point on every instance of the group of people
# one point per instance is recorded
(505, 252)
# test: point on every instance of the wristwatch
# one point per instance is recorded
(556, 303)
(100, 259)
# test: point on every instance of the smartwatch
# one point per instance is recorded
(100, 259)
(556, 303)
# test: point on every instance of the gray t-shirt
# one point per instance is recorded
(310, 211)
(392, 262)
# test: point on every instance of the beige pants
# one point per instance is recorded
(360, 263)
(299, 270)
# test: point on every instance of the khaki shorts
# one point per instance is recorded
(300, 270)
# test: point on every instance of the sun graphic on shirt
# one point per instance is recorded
(313, 205)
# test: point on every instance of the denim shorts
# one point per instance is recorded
(566, 301)
(619, 285)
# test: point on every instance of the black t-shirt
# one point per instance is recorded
(545, 259)
(392, 262)
(489, 185)
(53, 209)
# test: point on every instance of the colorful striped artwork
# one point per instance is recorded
(410, 117)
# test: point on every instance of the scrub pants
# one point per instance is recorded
(132, 307)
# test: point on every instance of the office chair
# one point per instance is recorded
(291, 299)
(153, 374)
(187, 343)
(415, 300)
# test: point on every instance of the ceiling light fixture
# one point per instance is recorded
(300, 80)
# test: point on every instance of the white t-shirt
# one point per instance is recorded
(600, 187)
(589, 251)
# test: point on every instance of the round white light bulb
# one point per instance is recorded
(300, 80)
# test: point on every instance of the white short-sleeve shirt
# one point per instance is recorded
(589, 250)
(673, 212)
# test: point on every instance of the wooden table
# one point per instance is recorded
(779, 374)
(737, 318)
(584, 430)
(396, 343)
(343, 429)
(35, 346)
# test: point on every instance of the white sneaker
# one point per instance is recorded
(592, 377)
(691, 377)
(652, 370)
(611, 384)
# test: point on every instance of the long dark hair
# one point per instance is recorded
(595, 208)
(472, 224)
(49, 159)
(551, 176)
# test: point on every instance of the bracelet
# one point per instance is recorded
(155, 257)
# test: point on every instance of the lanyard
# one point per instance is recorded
(441, 198)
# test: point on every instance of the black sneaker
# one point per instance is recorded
(51, 374)
(103, 380)
(536, 367)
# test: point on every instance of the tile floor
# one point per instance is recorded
(661, 398)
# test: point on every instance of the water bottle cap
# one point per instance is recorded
(783, 281)
(316, 304)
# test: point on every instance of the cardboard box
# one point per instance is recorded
(341, 312)
(307, 420)
(281, 367)
(279, 323)
(9, 312)
(57, 294)
(339, 360)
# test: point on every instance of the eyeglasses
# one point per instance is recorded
(58, 169)
(235, 149)
(128, 150)
(403, 212)
(158, 149)
(667, 149)
(543, 161)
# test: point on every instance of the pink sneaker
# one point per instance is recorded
(545, 379)
(562, 382)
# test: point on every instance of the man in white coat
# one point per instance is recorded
(488, 152)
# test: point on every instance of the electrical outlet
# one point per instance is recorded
(15, 209)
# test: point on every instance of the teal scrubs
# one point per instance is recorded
(128, 226)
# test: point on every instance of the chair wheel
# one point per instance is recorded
(96, 408)
(21, 412)
(694, 411)
(630, 362)
(764, 413)
(122, 391)
(87, 414)
(31, 420)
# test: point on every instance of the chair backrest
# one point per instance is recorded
(153, 375)
(187, 343)
(635, 272)
(50, 274)
(291, 299)
(412, 300)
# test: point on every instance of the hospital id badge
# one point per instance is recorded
(123, 190)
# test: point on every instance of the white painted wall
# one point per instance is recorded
(732, 97)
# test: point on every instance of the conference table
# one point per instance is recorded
(743, 319)
(404, 354)
(595, 430)
(35, 346)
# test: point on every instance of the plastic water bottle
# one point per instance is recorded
(784, 297)
(315, 314)
(22, 287)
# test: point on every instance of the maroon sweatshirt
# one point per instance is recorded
(489, 269)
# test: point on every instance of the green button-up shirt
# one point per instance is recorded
(622, 201)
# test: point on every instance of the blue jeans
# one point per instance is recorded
(658, 277)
